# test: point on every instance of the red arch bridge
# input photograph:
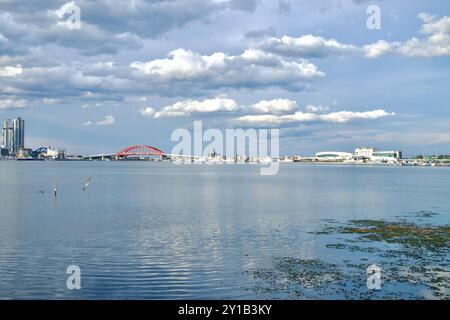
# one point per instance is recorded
(133, 152)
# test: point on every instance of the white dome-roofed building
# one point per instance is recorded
(333, 156)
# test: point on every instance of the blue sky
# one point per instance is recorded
(137, 70)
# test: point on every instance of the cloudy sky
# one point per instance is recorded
(136, 70)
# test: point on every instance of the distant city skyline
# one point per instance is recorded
(139, 70)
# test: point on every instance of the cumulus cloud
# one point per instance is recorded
(12, 103)
(110, 25)
(378, 49)
(188, 107)
(147, 112)
(300, 116)
(275, 112)
(108, 121)
(183, 72)
(346, 116)
(224, 105)
(276, 106)
(253, 68)
(306, 46)
(10, 71)
(434, 43)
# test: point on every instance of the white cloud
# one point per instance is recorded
(87, 123)
(10, 71)
(435, 43)
(253, 68)
(378, 49)
(275, 111)
(147, 112)
(307, 46)
(188, 107)
(345, 116)
(276, 106)
(11, 103)
(300, 116)
(316, 109)
(108, 121)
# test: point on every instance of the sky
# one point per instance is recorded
(324, 72)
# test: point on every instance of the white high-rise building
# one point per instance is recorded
(14, 135)
(7, 135)
(19, 134)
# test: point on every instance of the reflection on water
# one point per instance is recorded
(163, 231)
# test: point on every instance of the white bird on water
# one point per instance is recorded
(88, 181)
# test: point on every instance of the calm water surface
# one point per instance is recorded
(163, 231)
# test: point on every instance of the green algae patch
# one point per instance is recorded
(408, 234)
(308, 273)
(413, 257)
(299, 278)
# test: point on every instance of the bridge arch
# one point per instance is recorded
(140, 151)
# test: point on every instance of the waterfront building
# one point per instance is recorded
(24, 153)
(55, 153)
(333, 156)
(4, 152)
(18, 134)
(375, 155)
(386, 156)
(14, 135)
(8, 135)
(364, 153)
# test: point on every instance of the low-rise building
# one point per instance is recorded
(24, 153)
(4, 152)
(333, 156)
(386, 156)
(363, 152)
(375, 155)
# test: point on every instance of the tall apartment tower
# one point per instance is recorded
(14, 135)
(18, 134)
(7, 134)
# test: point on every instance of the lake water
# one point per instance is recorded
(156, 230)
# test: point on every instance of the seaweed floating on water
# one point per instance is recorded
(408, 234)
(414, 259)
(420, 255)
(315, 279)
(298, 278)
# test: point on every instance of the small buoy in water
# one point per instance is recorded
(55, 190)
(88, 181)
